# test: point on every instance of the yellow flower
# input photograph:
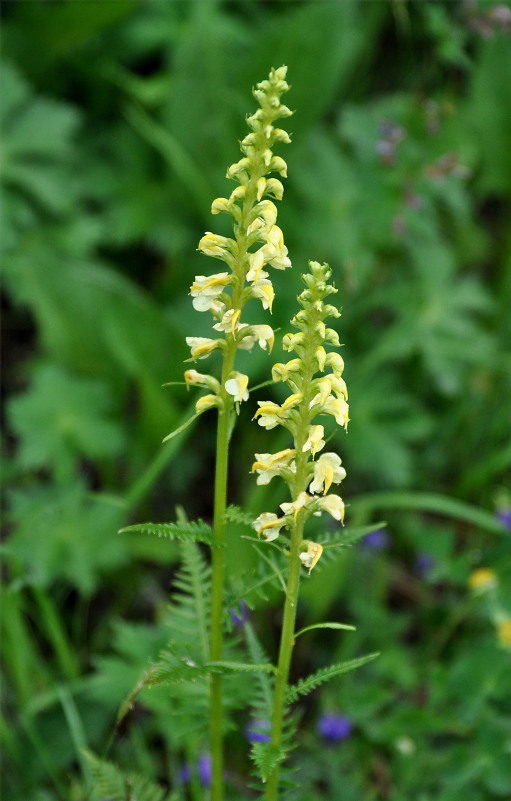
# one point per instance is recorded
(215, 245)
(206, 288)
(202, 346)
(315, 440)
(336, 362)
(262, 334)
(327, 470)
(293, 507)
(504, 632)
(290, 341)
(312, 555)
(338, 408)
(236, 385)
(482, 580)
(193, 378)
(262, 288)
(269, 525)
(282, 372)
(269, 465)
(332, 504)
(207, 402)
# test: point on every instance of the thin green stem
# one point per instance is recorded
(218, 572)
(285, 653)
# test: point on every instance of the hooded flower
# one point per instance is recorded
(327, 470)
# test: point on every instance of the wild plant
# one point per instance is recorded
(199, 654)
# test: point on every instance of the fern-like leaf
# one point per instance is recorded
(266, 758)
(350, 536)
(234, 514)
(196, 531)
(112, 783)
(305, 686)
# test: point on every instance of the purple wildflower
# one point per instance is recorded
(204, 769)
(424, 563)
(504, 516)
(185, 773)
(333, 727)
(240, 615)
(378, 540)
(254, 734)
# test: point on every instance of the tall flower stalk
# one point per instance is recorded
(314, 377)
(257, 243)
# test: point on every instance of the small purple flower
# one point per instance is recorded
(185, 773)
(424, 563)
(240, 615)
(254, 734)
(504, 516)
(204, 769)
(378, 540)
(333, 727)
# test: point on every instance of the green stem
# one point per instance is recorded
(285, 653)
(218, 571)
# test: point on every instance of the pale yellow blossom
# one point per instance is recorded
(332, 504)
(312, 555)
(202, 346)
(327, 470)
(269, 525)
(269, 465)
(315, 441)
(236, 385)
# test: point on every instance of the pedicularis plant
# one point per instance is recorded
(199, 651)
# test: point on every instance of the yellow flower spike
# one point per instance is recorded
(312, 555)
(482, 580)
(504, 632)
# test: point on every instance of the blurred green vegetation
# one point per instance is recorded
(118, 122)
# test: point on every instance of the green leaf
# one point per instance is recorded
(352, 535)
(305, 686)
(343, 626)
(181, 428)
(195, 531)
(114, 784)
(63, 417)
(235, 514)
(430, 502)
(267, 758)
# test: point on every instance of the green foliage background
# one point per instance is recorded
(118, 122)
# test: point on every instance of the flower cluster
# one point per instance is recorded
(317, 388)
(257, 244)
